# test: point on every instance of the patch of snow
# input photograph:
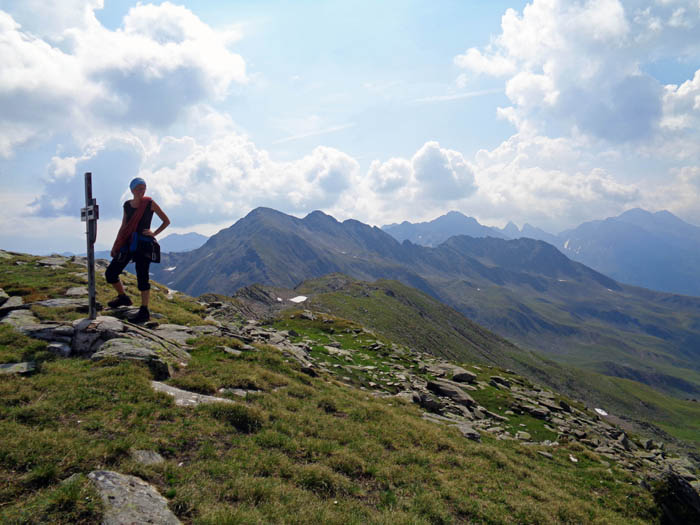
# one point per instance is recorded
(600, 411)
(279, 299)
(170, 269)
(572, 458)
(609, 290)
(566, 244)
(299, 299)
(562, 280)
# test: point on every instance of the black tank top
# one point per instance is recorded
(145, 222)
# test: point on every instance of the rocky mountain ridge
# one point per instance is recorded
(524, 290)
(658, 250)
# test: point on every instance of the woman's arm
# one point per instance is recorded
(163, 217)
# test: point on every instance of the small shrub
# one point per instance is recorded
(348, 464)
(42, 475)
(327, 405)
(242, 418)
(300, 392)
(320, 479)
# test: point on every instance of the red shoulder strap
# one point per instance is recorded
(125, 233)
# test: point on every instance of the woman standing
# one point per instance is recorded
(134, 231)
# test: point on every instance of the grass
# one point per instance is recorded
(16, 347)
(407, 316)
(299, 449)
(302, 450)
(36, 283)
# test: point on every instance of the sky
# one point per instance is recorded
(546, 112)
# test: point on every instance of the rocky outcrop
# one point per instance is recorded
(679, 502)
(136, 350)
(451, 391)
(129, 500)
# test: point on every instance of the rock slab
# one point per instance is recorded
(125, 349)
(18, 368)
(129, 500)
(469, 432)
(183, 398)
(147, 457)
(451, 391)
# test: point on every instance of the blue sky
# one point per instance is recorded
(547, 112)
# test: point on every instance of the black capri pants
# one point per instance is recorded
(117, 266)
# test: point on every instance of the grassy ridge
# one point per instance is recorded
(412, 318)
(408, 316)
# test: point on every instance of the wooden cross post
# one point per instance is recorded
(89, 214)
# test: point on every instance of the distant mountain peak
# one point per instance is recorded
(511, 230)
(318, 214)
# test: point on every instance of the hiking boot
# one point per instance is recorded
(121, 300)
(141, 316)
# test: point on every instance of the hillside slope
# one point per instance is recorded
(524, 290)
(310, 419)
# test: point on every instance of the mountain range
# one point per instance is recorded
(654, 250)
(524, 290)
(182, 242)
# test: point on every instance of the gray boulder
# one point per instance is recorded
(18, 368)
(129, 500)
(77, 291)
(125, 349)
(53, 261)
(12, 303)
(78, 304)
(20, 318)
(678, 500)
(51, 332)
(175, 332)
(147, 457)
(90, 335)
(453, 392)
(469, 432)
(428, 402)
(184, 398)
(59, 348)
(461, 375)
(3, 296)
(499, 381)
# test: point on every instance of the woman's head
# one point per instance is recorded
(137, 185)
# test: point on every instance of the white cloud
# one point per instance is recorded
(83, 78)
(198, 182)
(546, 181)
(682, 105)
(578, 64)
(496, 65)
(442, 174)
(586, 113)
(50, 20)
